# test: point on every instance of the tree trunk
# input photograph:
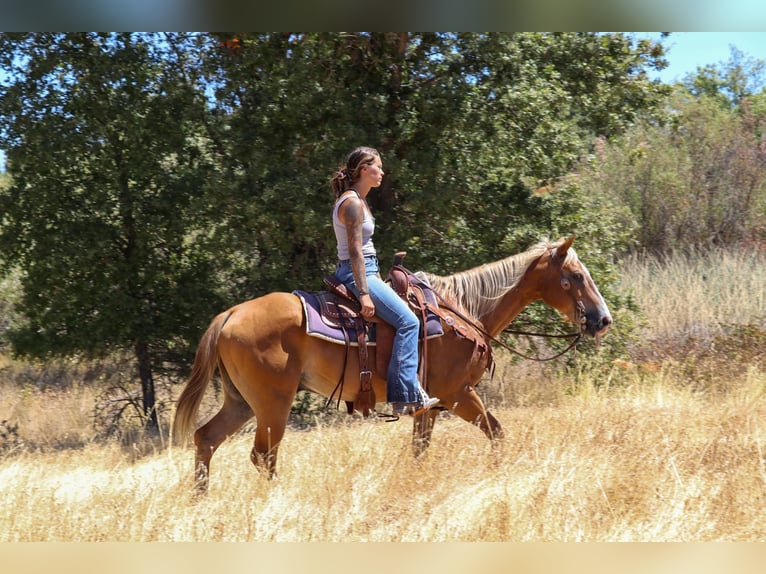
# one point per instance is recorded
(147, 385)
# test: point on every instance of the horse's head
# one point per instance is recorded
(569, 288)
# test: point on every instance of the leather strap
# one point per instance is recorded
(420, 304)
(365, 401)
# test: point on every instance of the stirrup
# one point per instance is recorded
(427, 404)
(415, 409)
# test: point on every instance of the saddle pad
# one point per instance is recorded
(317, 326)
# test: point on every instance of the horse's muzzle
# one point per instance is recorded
(597, 325)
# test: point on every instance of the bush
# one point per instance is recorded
(10, 291)
(700, 180)
(9, 437)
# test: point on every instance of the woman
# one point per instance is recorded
(358, 270)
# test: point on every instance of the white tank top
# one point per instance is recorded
(368, 229)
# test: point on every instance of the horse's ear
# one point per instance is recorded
(564, 247)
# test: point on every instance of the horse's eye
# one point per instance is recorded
(577, 276)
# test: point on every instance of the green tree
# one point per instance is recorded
(467, 125)
(730, 82)
(698, 181)
(540, 101)
(155, 175)
(107, 211)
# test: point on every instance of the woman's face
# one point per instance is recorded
(373, 173)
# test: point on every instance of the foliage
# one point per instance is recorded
(465, 124)
(156, 178)
(10, 317)
(729, 83)
(106, 210)
(9, 437)
(697, 181)
(10, 288)
(310, 411)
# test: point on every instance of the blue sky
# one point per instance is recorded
(686, 51)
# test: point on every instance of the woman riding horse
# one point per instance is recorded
(358, 270)
(264, 354)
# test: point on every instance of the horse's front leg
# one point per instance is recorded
(467, 404)
(423, 426)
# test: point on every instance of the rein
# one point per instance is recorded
(575, 336)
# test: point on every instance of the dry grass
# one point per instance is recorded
(698, 295)
(651, 461)
(662, 452)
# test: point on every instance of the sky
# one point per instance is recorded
(685, 52)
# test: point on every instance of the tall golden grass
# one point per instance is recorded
(648, 450)
(698, 294)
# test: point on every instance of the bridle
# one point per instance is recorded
(574, 336)
(579, 318)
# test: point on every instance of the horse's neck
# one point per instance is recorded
(497, 317)
(512, 303)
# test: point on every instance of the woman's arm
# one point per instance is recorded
(351, 213)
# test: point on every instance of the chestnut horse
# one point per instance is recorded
(264, 355)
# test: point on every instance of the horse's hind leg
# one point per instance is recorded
(421, 432)
(265, 447)
(234, 413)
(269, 433)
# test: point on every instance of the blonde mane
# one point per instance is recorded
(479, 290)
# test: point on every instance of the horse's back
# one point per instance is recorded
(272, 314)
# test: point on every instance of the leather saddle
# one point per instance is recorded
(335, 315)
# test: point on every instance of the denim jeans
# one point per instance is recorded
(402, 376)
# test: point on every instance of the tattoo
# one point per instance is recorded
(352, 215)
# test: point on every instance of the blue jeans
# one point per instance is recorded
(402, 376)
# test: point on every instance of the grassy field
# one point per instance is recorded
(664, 444)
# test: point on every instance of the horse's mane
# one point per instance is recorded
(479, 290)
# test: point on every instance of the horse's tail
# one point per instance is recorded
(205, 362)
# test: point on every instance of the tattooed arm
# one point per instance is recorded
(351, 213)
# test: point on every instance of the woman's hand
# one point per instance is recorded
(368, 307)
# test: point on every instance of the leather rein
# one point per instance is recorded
(575, 336)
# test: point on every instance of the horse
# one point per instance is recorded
(264, 354)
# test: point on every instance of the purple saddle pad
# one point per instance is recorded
(326, 328)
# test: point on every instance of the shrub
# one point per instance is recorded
(699, 180)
